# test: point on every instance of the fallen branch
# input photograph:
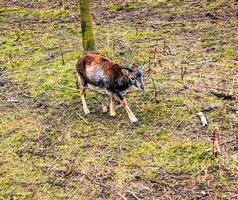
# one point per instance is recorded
(26, 95)
(95, 182)
(52, 164)
(229, 141)
(13, 100)
(224, 94)
(82, 118)
(209, 108)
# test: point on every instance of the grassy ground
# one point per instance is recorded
(51, 150)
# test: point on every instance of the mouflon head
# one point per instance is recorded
(135, 75)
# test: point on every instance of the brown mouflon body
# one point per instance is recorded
(98, 71)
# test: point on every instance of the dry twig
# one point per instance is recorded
(82, 118)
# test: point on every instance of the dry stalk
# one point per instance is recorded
(154, 60)
(32, 35)
(20, 26)
(62, 55)
(182, 74)
(152, 80)
(156, 56)
(108, 40)
(114, 46)
(166, 49)
(17, 36)
(216, 150)
(183, 71)
(155, 90)
(136, 31)
(10, 58)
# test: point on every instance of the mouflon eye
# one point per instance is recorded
(139, 75)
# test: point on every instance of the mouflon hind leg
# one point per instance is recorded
(85, 107)
(82, 84)
(112, 107)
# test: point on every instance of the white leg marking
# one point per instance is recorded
(85, 107)
(130, 113)
(112, 107)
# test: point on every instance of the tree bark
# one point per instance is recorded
(87, 27)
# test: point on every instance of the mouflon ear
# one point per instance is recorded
(136, 66)
(125, 71)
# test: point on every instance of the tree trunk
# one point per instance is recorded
(87, 27)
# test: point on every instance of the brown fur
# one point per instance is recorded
(98, 71)
(110, 69)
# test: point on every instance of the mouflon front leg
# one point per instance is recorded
(124, 104)
(129, 112)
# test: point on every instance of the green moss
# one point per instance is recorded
(36, 13)
(139, 35)
(230, 53)
(50, 13)
(175, 157)
(122, 7)
(130, 6)
(13, 11)
(87, 26)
